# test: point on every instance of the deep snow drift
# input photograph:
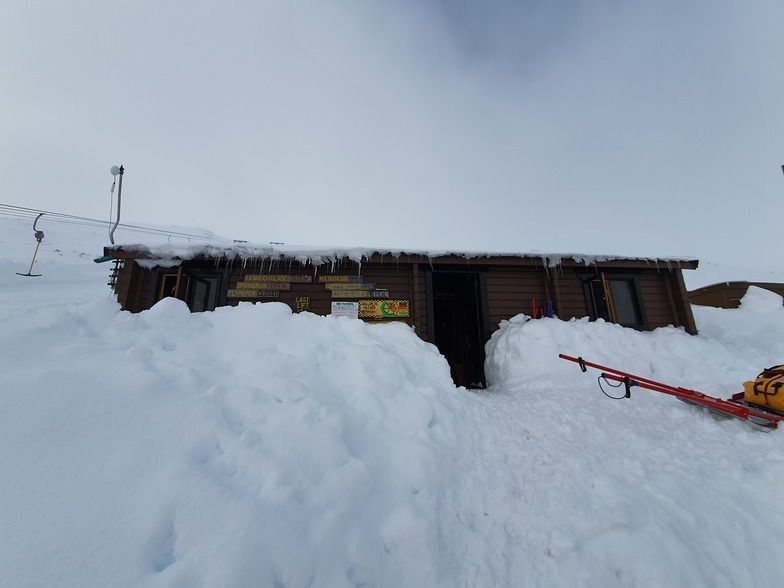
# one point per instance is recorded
(253, 447)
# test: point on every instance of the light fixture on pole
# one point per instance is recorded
(116, 171)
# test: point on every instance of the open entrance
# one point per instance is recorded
(457, 323)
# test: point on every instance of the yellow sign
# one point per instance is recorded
(301, 303)
(263, 286)
(348, 286)
(253, 294)
(383, 308)
(279, 278)
(350, 293)
(340, 279)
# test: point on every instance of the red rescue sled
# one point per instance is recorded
(734, 407)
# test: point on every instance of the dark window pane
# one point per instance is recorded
(168, 285)
(204, 294)
(598, 301)
(200, 294)
(625, 303)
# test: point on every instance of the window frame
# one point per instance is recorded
(185, 279)
(607, 310)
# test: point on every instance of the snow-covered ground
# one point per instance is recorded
(252, 447)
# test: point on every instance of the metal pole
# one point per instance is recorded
(119, 196)
(39, 236)
(30, 271)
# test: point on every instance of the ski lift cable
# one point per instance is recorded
(99, 223)
(56, 220)
(24, 212)
(32, 212)
(66, 220)
(12, 212)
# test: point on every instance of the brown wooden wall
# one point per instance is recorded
(511, 291)
(393, 277)
(682, 303)
(419, 299)
(569, 296)
(664, 297)
(726, 295)
(512, 285)
(729, 294)
(132, 287)
(657, 296)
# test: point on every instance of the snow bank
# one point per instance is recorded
(759, 299)
(250, 446)
(198, 434)
(524, 353)
(644, 491)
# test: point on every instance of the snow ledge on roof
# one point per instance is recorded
(329, 255)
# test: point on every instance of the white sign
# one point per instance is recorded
(349, 309)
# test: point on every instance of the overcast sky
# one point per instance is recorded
(616, 127)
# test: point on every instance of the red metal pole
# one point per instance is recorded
(34, 255)
(580, 361)
(730, 408)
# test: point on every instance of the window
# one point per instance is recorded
(198, 289)
(614, 298)
(168, 286)
(202, 292)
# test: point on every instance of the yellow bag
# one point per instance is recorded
(766, 390)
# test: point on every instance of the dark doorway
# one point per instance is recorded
(457, 325)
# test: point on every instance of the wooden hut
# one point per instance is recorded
(729, 294)
(454, 300)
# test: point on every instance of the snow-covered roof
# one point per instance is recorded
(318, 255)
